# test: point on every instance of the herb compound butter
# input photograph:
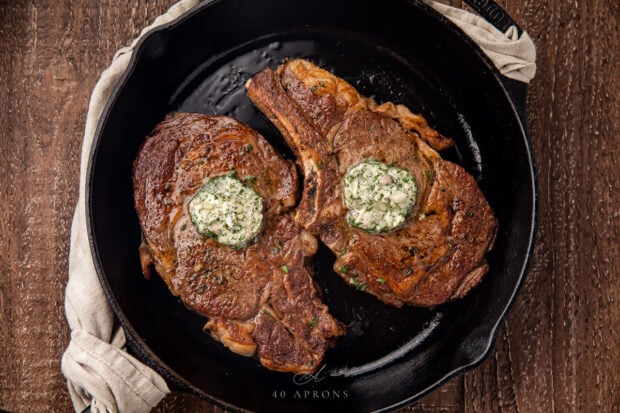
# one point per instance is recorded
(227, 210)
(378, 197)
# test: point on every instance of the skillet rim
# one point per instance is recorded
(174, 380)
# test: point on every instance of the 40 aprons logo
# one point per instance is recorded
(303, 380)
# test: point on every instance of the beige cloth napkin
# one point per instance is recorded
(513, 55)
(99, 372)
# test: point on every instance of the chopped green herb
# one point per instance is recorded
(248, 148)
(344, 269)
(357, 284)
(313, 88)
(314, 322)
(249, 178)
(183, 227)
(285, 268)
(278, 247)
(428, 174)
(209, 234)
(343, 251)
(381, 280)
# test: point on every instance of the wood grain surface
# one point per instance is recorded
(559, 347)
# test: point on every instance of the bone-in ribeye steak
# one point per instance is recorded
(438, 254)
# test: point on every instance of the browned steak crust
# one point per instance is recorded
(439, 253)
(260, 299)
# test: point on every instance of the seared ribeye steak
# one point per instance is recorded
(405, 225)
(213, 200)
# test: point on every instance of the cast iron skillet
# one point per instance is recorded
(394, 50)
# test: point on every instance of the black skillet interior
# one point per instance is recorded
(392, 50)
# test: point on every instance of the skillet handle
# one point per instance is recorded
(494, 14)
(498, 17)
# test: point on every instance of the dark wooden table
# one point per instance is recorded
(558, 349)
